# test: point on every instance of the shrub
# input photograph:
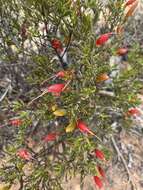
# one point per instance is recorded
(74, 98)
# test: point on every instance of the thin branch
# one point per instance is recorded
(63, 64)
(67, 84)
(5, 93)
(12, 64)
(21, 183)
(43, 93)
(106, 93)
(69, 41)
(124, 163)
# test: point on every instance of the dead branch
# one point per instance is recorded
(124, 163)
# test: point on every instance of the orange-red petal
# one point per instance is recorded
(103, 39)
(83, 127)
(122, 51)
(15, 122)
(98, 182)
(24, 154)
(99, 154)
(133, 111)
(50, 137)
(56, 44)
(60, 74)
(56, 88)
(101, 171)
(130, 2)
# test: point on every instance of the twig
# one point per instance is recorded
(5, 93)
(106, 93)
(12, 64)
(124, 163)
(69, 41)
(63, 64)
(21, 183)
(43, 93)
(46, 80)
(66, 85)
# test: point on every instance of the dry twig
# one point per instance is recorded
(5, 93)
(124, 163)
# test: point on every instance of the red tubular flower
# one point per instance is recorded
(50, 137)
(60, 74)
(103, 39)
(15, 122)
(98, 182)
(83, 127)
(130, 2)
(56, 89)
(99, 154)
(101, 171)
(56, 44)
(133, 111)
(24, 154)
(122, 51)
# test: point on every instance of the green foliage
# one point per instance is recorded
(77, 27)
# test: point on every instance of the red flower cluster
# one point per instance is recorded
(15, 122)
(24, 154)
(132, 112)
(57, 45)
(98, 180)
